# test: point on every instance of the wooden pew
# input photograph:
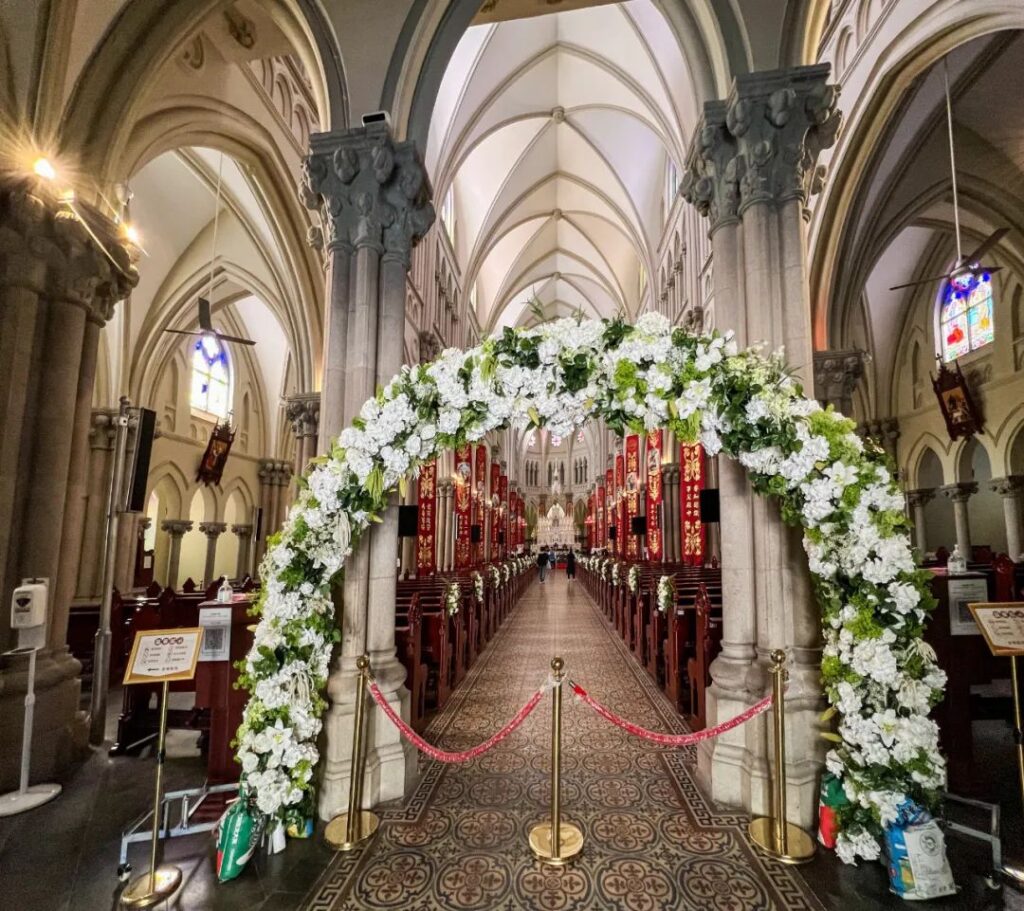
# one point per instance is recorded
(698, 668)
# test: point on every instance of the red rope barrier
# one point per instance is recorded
(673, 740)
(443, 755)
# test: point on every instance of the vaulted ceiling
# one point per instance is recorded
(554, 134)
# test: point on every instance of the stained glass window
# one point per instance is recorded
(211, 377)
(965, 320)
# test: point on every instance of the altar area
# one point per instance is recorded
(555, 529)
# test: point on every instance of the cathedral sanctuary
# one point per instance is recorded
(522, 454)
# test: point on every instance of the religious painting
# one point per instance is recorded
(962, 416)
(211, 468)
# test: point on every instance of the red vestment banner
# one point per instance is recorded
(632, 494)
(620, 508)
(463, 504)
(691, 483)
(492, 494)
(426, 520)
(502, 520)
(480, 488)
(600, 540)
(609, 505)
(655, 541)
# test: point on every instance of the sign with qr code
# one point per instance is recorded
(216, 624)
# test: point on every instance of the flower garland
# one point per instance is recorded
(506, 571)
(878, 675)
(633, 579)
(478, 586)
(666, 593)
(451, 598)
(615, 574)
(495, 575)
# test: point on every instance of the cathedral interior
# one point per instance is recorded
(225, 225)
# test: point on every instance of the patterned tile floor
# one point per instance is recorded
(652, 841)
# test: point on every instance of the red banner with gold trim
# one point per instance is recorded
(426, 519)
(480, 489)
(600, 540)
(620, 508)
(655, 492)
(492, 492)
(609, 506)
(691, 483)
(463, 504)
(632, 494)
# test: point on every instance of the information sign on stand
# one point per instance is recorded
(160, 656)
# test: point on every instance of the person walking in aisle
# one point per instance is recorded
(570, 565)
(542, 564)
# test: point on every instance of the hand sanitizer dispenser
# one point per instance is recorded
(28, 617)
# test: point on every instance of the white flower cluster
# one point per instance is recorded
(478, 586)
(877, 671)
(633, 579)
(666, 593)
(451, 598)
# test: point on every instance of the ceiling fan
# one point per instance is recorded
(206, 329)
(967, 270)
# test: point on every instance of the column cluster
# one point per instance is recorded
(303, 411)
(751, 168)
(836, 374)
(274, 475)
(176, 530)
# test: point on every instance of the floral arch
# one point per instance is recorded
(878, 674)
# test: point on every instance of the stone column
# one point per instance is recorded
(283, 472)
(750, 170)
(373, 196)
(176, 529)
(836, 374)
(960, 493)
(212, 530)
(101, 442)
(265, 474)
(917, 500)
(58, 284)
(303, 411)
(244, 535)
(1009, 488)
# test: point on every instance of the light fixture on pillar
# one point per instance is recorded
(43, 167)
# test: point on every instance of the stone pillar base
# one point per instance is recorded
(60, 729)
(391, 762)
(735, 769)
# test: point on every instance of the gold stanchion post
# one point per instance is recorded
(160, 882)
(775, 836)
(556, 842)
(349, 830)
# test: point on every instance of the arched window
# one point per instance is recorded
(965, 315)
(448, 215)
(211, 378)
(671, 186)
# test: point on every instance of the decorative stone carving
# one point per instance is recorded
(213, 529)
(836, 374)
(762, 144)
(920, 497)
(194, 55)
(430, 346)
(372, 191)
(960, 492)
(243, 30)
(176, 527)
(303, 411)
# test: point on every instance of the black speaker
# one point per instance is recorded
(709, 511)
(501, 537)
(612, 532)
(139, 473)
(475, 534)
(639, 525)
(408, 521)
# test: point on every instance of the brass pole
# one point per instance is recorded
(1018, 735)
(160, 882)
(556, 842)
(775, 835)
(345, 832)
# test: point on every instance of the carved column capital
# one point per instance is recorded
(921, 496)
(960, 492)
(243, 531)
(782, 120)
(836, 374)
(1010, 486)
(709, 180)
(371, 190)
(213, 529)
(176, 527)
(45, 247)
(303, 411)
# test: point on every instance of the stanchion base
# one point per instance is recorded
(19, 801)
(799, 845)
(570, 843)
(1013, 875)
(336, 833)
(139, 895)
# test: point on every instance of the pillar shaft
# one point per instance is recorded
(212, 530)
(176, 529)
(918, 499)
(1010, 488)
(960, 494)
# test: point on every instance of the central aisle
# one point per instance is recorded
(652, 841)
